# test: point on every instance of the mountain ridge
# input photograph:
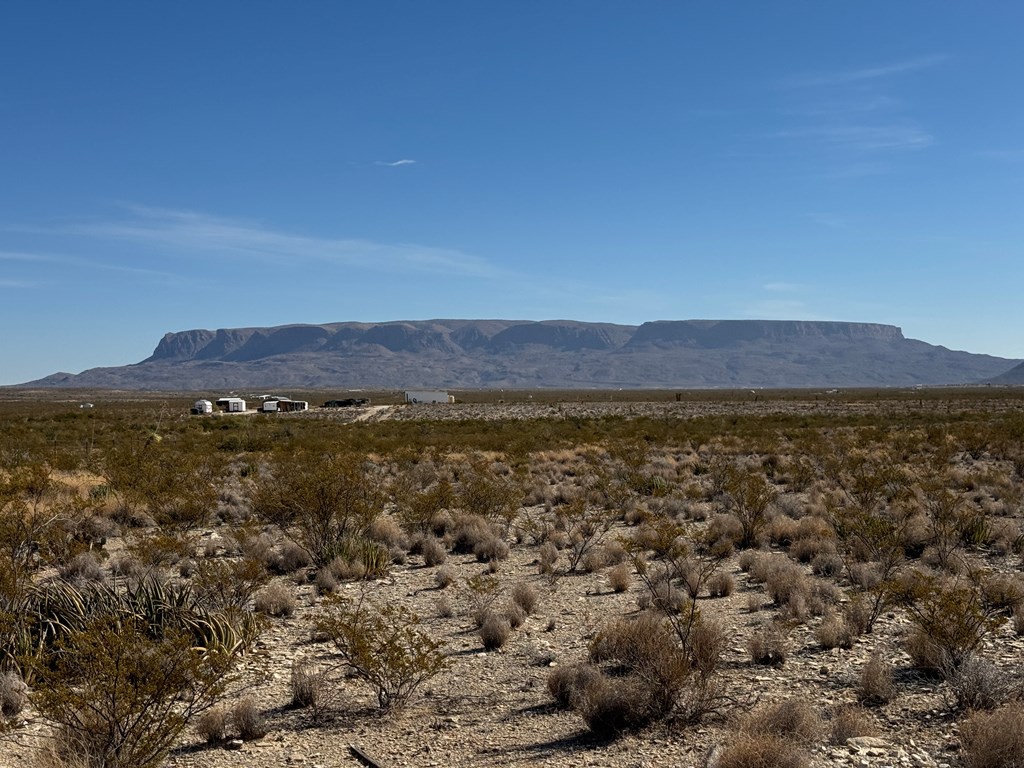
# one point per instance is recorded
(548, 353)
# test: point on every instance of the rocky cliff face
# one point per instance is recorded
(554, 353)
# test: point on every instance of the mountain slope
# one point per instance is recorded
(553, 353)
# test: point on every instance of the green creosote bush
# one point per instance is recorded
(321, 500)
(384, 648)
(120, 697)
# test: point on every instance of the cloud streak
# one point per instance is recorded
(189, 234)
(864, 74)
(395, 164)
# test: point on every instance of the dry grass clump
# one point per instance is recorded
(979, 684)
(248, 721)
(243, 720)
(491, 550)
(762, 751)
(514, 614)
(768, 646)
(289, 558)
(547, 558)
(525, 596)
(495, 631)
(876, 686)
(646, 672)
(773, 736)
(620, 577)
(566, 684)
(793, 719)
(849, 722)
(706, 643)
(307, 684)
(721, 584)
(834, 632)
(994, 739)
(212, 725)
(433, 551)
(82, 567)
(387, 531)
(275, 600)
(468, 531)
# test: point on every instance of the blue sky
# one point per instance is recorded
(167, 166)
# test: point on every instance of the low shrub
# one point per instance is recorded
(875, 686)
(721, 584)
(212, 725)
(792, 719)
(994, 739)
(980, 684)
(275, 600)
(495, 631)
(247, 720)
(768, 646)
(762, 751)
(566, 684)
(849, 722)
(526, 597)
(620, 577)
(384, 648)
(834, 632)
(433, 551)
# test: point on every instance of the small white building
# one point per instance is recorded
(231, 404)
(202, 406)
(417, 396)
(284, 405)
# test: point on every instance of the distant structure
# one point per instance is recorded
(202, 407)
(419, 396)
(283, 405)
(348, 402)
(231, 404)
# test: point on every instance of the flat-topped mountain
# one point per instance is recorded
(550, 353)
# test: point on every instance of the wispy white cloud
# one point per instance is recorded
(863, 74)
(396, 163)
(864, 138)
(16, 284)
(188, 234)
(851, 120)
(783, 287)
(74, 261)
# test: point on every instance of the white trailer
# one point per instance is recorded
(417, 396)
(202, 406)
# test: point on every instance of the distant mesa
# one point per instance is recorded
(551, 353)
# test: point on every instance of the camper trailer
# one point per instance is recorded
(202, 407)
(417, 396)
